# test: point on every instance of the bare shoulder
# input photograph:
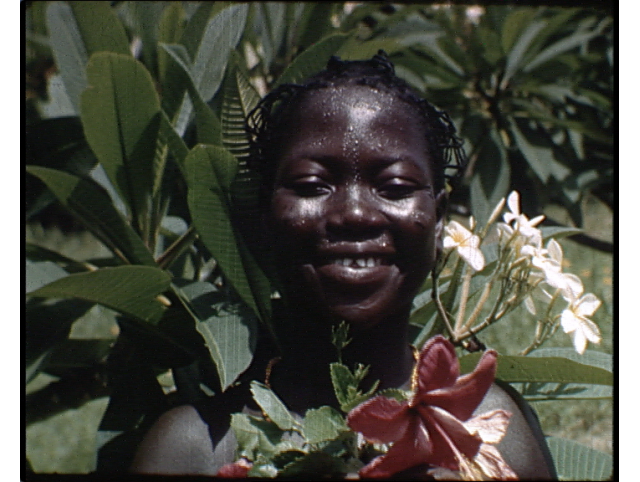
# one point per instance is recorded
(523, 447)
(178, 443)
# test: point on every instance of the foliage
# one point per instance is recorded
(148, 100)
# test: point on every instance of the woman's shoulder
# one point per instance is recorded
(191, 439)
(523, 447)
(177, 443)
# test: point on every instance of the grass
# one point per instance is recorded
(66, 443)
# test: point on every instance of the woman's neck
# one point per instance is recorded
(302, 376)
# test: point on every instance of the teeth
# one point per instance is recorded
(359, 262)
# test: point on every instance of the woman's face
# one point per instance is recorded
(353, 210)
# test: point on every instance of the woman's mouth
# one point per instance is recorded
(359, 262)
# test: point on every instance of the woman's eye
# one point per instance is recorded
(309, 187)
(398, 190)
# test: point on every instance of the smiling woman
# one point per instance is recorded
(353, 166)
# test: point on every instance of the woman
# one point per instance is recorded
(353, 165)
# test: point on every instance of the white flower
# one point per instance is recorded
(574, 320)
(549, 261)
(521, 223)
(466, 244)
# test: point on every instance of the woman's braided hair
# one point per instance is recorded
(266, 122)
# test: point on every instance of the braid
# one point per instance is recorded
(265, 121)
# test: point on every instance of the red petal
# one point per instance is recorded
(411, 450)
(437, 366)
(236, 470)
(457, 433)
(493, 465)
(380, 419)
(465, 395)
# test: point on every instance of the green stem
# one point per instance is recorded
(443, 314)
(177, 248)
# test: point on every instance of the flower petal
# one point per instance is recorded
(448, 242)
(454, 432)
(473, 256)
(462, 398)
(569, 321)
(380, 419)
(579, 341)
(437, 365)
(587, 305)
(493, 465)
(591, 331)
(513, 202)
(411, 450)
(490, 426)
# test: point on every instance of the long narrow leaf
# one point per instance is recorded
(131, 290)
(516, 56)
(220, 36)
(312, 60)
(68, 50)
(208, 126)
(121, 118)
(542, 369)
(210, 172)
(89, 202)
(574, 461)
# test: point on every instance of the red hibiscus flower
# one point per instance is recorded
(435, 426)
(235, 470)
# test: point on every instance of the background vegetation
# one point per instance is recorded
(141, 292)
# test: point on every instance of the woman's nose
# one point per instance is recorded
(355, 210)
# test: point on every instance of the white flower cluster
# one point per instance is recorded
(520, 237)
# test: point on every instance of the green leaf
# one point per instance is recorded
(254, 436)
(539, 153)
(221, 35)
(396, 394)
(574, 461)
(541, 369)
(168, 135)
(312, 60)
(491, 179)
(315, 23)
(239, 99)
(121, 117)
(272, 406)
(89, 202)
(47, 325)
(100, 28)
(211, 170)
(513, 25)
(345, 385)
(229, 329)
(324, 423)
(566, 391)
(207, 123)
(558, 232)
(68, 50)
(355, 49)
(170, 29)
(314, 464)
(561, 46)
(517, 55)
(77, 353)
(131, 290)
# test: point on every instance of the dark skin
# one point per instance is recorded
(356, 225)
